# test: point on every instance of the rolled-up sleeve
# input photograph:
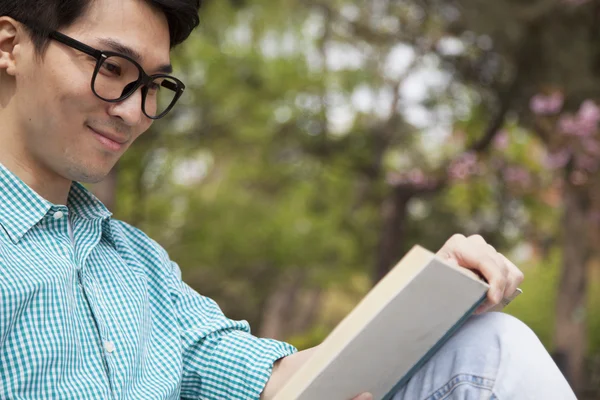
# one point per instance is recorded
(221, 358)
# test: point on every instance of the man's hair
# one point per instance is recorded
(44, 16)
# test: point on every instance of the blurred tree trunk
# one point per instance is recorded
(394, 211)
(306, 311)
(279, 307)
(290, 310)
(570, 327)
(106, 190)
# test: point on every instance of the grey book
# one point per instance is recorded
(394, 330)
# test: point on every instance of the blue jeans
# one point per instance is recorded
(493, 356)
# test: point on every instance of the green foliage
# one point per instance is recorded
(536, 306)
(253, 177)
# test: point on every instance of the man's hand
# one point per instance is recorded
(476, 254)
(472, 253)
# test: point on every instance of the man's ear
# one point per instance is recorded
(9, 44)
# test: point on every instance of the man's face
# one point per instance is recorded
(56, 111)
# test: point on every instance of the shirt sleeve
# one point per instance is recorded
(221, 358)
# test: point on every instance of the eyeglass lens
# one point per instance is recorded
(118, 76)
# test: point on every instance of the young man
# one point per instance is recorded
(90, 307)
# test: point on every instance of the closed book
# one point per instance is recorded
(393, 331)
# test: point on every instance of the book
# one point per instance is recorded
(392, 331)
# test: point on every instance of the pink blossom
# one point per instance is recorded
(501, 140)
(464, 166)
(558, 160)
(416, 176)
(591, 146)
(546, 105)
(568, 125)
(517, 175)
(458, 172)
(589, 116)
(584, 124)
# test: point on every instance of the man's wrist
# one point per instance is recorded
(283, 369)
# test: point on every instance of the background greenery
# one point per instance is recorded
(319, 140)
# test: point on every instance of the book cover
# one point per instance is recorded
(394, 330)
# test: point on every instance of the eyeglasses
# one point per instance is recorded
(117, 76)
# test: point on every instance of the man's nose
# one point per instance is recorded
(130, 109)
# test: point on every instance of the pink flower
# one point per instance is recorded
(459, 172)
(584, 124)
(501, 140)
(589, 116)
(546, 105)
(416, 176)
(589, 109)
(568, 125)
(517, 175)
(464, 166)
(558, 160)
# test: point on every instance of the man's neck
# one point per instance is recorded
(42, 180)
(50, 188)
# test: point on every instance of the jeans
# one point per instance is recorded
(493, 356)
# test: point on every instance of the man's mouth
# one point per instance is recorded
(111, 141)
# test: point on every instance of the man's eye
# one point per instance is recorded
(112, 69)
(153, 86)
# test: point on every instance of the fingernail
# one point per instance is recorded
(365, 396)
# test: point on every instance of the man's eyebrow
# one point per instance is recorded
(119, 47)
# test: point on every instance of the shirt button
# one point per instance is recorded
(109, 347)
(58, 215)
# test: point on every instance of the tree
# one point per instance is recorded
(319, 140)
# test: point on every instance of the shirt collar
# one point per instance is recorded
(84, 204)
(21, 208)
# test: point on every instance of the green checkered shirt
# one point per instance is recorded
(99, 311)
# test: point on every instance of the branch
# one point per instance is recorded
(505, 101)
(482, 145)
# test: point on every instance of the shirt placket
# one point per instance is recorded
(92, 298)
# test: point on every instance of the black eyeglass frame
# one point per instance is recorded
(143, 81)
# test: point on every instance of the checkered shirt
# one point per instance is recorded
(92, 308)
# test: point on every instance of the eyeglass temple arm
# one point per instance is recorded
(76, 44)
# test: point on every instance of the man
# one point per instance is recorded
(90, 307)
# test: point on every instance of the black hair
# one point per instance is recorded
(44, 16)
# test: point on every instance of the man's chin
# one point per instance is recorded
(93, 180)
(91, 177)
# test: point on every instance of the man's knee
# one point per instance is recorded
(501, 328)
(503, 337)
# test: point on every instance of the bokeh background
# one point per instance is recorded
(319, 140)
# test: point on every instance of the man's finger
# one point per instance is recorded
(487, 263)
(515, 277)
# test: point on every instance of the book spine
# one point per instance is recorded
(434, 349)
